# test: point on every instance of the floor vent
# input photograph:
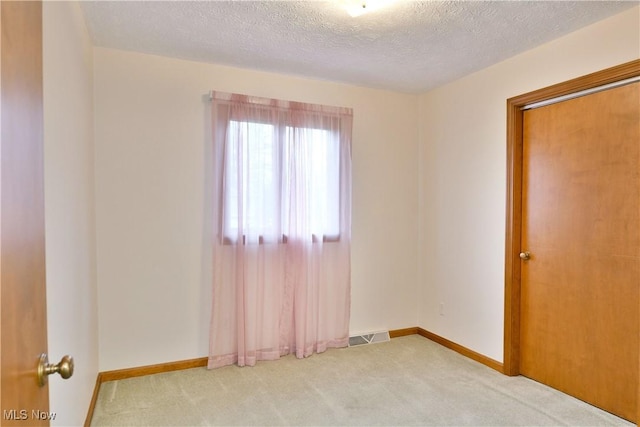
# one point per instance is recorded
(372, 338)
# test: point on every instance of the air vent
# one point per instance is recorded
(372, 338)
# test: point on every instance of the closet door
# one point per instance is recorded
(580, 240)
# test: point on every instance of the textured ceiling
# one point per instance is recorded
(409, 46)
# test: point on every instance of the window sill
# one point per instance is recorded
(229, 241)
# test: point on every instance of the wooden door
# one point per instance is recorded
(22, 256)
(579, 321)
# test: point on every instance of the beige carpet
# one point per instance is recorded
(408, 381)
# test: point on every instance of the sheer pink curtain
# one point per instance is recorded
(282, 214)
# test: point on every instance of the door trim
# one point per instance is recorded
(511, 361)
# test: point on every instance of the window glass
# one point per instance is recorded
(283, 174)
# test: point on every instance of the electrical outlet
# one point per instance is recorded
(441, 309)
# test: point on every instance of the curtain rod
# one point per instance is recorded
(581, 93)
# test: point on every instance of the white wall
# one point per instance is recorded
(69, 208)
(152, 175)
(463, 177)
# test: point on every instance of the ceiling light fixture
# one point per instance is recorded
(360, 7)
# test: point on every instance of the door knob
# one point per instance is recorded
(525, 256)
(64, 368)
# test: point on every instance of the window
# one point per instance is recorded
(251, 180)
(282, 175)
(320, 168)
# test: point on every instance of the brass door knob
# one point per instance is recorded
(525, 256)
(64, 368)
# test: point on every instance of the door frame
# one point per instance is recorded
(515, 114)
